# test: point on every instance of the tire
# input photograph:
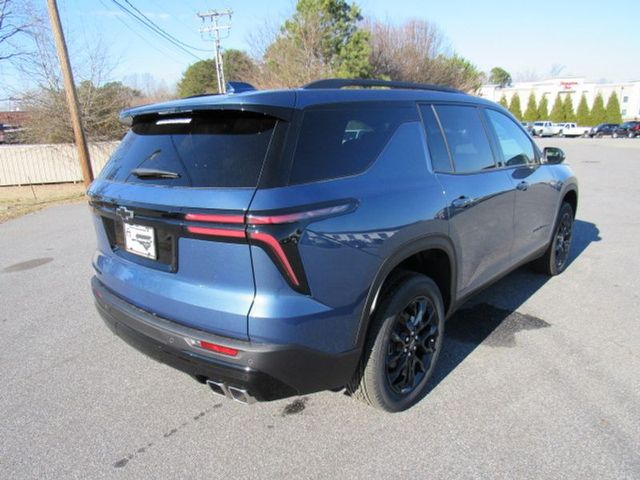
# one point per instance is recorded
(555, 259)
(599, 135)
(614, 135)
(630, 135)
(402, 346)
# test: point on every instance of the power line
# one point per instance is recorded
(158, 31)
(141, 37)
(164, 32)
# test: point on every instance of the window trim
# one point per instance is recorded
(497, 164)
(500, 166)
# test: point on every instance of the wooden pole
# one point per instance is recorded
(72, 96)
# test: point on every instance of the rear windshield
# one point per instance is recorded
(223, 149)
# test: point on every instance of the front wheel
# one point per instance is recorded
(555, 258)
(403, 344)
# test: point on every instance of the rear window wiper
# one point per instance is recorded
(153, 173)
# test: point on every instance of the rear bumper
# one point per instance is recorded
(265, 371)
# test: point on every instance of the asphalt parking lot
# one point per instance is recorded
(539, 378)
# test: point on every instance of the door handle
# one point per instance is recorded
(522, 186)
(461, 202)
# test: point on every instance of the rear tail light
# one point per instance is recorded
(276, 233)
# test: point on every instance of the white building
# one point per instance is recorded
(628, 93)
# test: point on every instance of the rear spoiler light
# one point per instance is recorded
(278, 233)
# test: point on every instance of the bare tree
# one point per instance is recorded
(14, 23)
(288, 63)
(417, 51)
(405, 52)
(93, 64)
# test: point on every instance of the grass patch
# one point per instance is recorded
(18, 201)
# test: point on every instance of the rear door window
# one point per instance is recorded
(466, 137)
(514, 144)
(221, 149)
(343, 141)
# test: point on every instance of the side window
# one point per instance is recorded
(437, 146)
(467, 138)
(342, 141)
(515, 145)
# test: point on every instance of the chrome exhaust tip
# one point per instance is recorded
(233, 393)
(218, 388)
(241, 395)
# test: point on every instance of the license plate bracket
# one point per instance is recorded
(140, 240)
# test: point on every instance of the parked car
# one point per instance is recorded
(627, 129)
(572, 130)
(544, 128)
(1, 133)
(256, 242)
(528, 126)
(603, 129)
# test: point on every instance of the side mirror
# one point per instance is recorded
(553, 155)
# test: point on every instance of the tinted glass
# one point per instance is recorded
(515, 145)
(466, 136)
(224, 149)
(437, 146)
(343, 141)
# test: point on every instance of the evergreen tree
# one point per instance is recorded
(557, 111)
(613, 109)
(503, 101)
(515, 107)
(499, 76)
(598, 113)
(583, 115)
(567, 107)
(531, 113)
(342, 44)
(200, 77)
(543, 109)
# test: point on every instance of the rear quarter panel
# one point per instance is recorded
(398, 200)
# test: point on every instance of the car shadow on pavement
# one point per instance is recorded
(481, 321)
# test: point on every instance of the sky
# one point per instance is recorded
(579, 37)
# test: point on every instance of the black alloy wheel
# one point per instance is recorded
(412, 345)
(562, 240)
(403, 343)
(556, 257)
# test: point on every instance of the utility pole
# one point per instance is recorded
(72, 96)
(213, 29)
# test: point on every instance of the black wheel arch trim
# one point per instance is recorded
(404, 251)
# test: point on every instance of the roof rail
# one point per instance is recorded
(359, 82)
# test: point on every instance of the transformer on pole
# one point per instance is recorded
(216, 26)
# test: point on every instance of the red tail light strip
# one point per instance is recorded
(295, 217)
(205, 217)
(217, 232)
(267, 240)
(276, 248)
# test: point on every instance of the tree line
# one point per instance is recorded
(331, 38)
(563, 110)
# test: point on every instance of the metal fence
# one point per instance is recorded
(35, 164)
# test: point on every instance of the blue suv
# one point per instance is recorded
(278, 243)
